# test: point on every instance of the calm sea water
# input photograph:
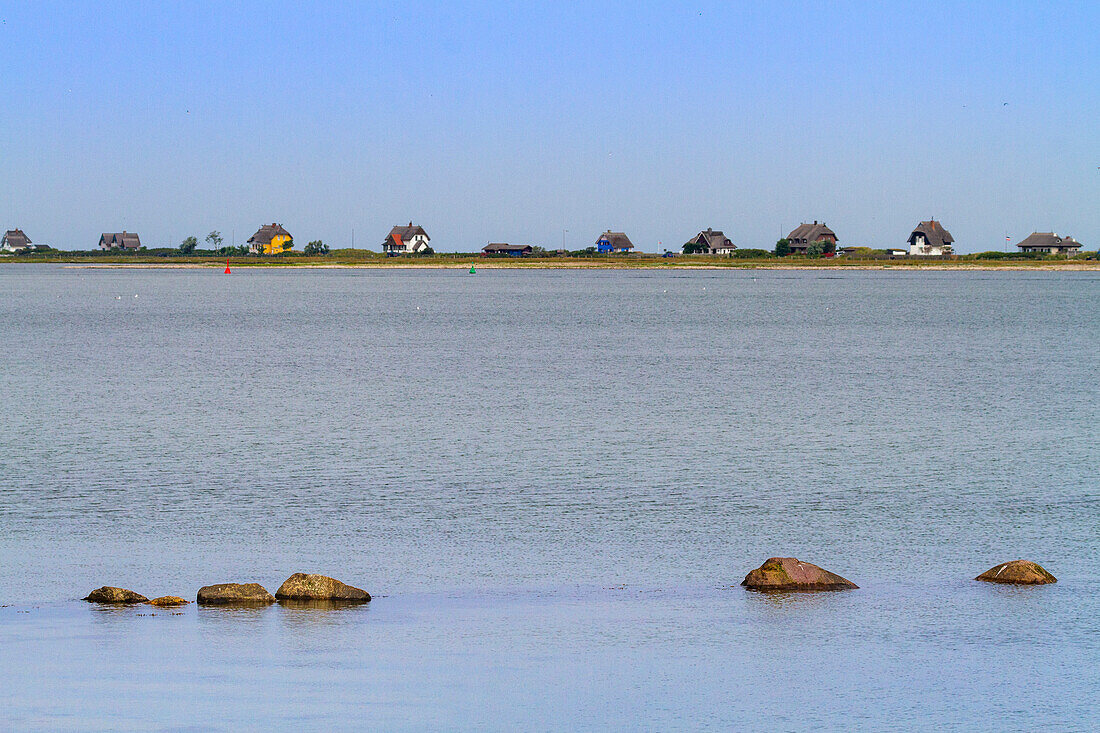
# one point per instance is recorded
(553, 483)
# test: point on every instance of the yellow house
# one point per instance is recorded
(270, 239)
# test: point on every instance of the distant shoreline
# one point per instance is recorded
(461, 262)
(543, 265)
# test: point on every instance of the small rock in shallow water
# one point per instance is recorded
(311, 587)
(1018, 572)
(110, 594)
(169, 601)
(236, 594)
(788, 573)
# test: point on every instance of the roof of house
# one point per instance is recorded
(16, 238)
(505, 247)
(402, 234)
(811, 232)
(130, 240)
(712, 240)
(1048, 239)
(617, 240)
(267, 232)
(934, 234)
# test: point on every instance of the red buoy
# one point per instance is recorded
(227, 267)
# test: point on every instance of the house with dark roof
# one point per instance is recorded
(15, 240)
(409, 239)
(119, 240)
(1050, 243)
(511, 250)
(613, 242)
(930, 239)
(270, 239)
(806, 234)
(709, 242)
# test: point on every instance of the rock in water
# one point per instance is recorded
(236, 594)
(169, 601)
(110, 594)
(788, 573)
(1018, 572)
(310, 587)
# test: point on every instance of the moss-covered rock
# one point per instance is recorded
(234, 594)
(311, 587)
(788, 573)
(1018, 572)
(110, 594)
(169, 601)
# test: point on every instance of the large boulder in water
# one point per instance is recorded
(311, 587)
(110, 594)
(788, 573)
(234, 594)
(1018, 572)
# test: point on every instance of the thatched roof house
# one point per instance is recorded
(611, 241)
(1050, 243)
(806, 234)
(15, 241)
(408, 239)
(119, 240)
(709, 242)
(502, 248)
(930, 239)
(270, 239)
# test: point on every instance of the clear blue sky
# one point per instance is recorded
(511, 122)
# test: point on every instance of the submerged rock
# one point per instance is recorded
(237, 594)
(1018, 572)
(788, 573)
(311, 587)
(110, 594)
(169, 601)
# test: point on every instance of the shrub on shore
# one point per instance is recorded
(994, 255)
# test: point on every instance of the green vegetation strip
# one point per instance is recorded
(747, 259)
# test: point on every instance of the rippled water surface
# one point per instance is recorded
(553, 483)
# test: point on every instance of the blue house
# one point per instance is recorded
(610, 242)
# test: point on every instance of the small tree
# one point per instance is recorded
(288, 245)
(692, 248)
(214, 239)
(815, 249)
(188, 245)
(316, 247)
(783, 247)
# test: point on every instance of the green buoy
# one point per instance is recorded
(472, 270)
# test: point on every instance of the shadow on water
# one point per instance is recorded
(774, 600)
(322, 605)
(304, 615)
(232, 613)
(108, 611)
